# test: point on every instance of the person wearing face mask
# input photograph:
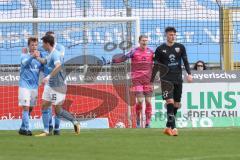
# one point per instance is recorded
(199, 66)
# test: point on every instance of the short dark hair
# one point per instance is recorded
(49, 33)
(200, 61)
(142, 36)
(170, 29)
(32, 39)
(48, 39)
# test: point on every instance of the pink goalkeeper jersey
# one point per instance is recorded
(141, 64)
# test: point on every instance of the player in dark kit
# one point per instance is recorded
(168, 60)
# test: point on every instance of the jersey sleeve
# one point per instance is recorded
(185, 60)
(157, 56)
(26, 59)
(56, 58)
(61, 49)
(124, 57)
(157, 61)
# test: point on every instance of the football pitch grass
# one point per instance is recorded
(124, 144)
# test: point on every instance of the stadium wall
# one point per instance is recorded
(211, 101)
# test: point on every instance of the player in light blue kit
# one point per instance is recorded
(55, 88)
(44, 53)
(28, 83)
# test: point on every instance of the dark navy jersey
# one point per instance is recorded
(169, 59)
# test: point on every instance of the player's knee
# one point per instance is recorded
(25, 108)
(57, 113)
(45, 106)
(168, 101)
(139, 101)
(58, 110)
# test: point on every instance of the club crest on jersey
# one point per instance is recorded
(177, 49)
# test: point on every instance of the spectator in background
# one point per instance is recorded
(199, 66)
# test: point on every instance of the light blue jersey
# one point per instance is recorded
(52, 59)
(60, 48)
(57, 46)
(44, 54)
(29, 72)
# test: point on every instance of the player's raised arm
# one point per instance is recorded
(40, 59)
(122, 57)
(25, 60)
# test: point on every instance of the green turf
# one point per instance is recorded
(124, 144)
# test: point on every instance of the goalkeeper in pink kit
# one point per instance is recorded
(141, 71)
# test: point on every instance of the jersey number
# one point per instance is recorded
(54, 97)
